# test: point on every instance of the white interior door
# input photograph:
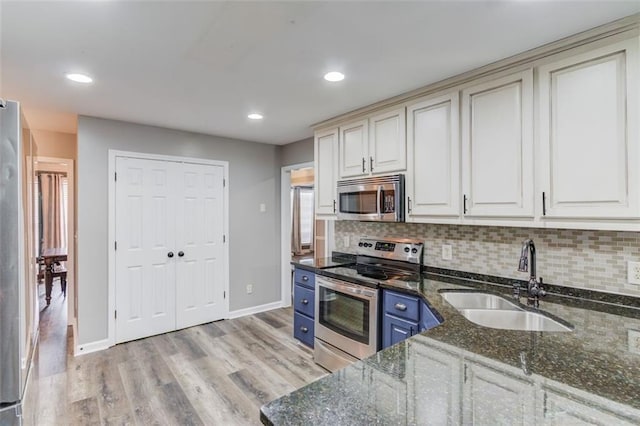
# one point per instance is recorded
(200, 262)
(145, 235)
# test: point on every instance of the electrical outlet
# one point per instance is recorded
(345, 241)
(633, 272)
(634, 341)
(249, 288)
(263, 207)
(447, 252)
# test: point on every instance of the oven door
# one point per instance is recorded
(347, 316)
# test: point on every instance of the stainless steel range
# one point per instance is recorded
(347, 309)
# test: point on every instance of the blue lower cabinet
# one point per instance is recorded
(396, 330)
(304, 300)
(303, 328)
(427, 318)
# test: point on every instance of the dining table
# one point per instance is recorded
(50, 257)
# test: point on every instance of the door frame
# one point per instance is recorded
(285, 230)
(111, 280)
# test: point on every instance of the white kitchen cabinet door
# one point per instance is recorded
(145, 256)
(354, 149)
(200, 271)
(560, 409)
(326, 168)
(588, 139)
(433, 172)
(387, 142)
(497, 147)
(511, 401)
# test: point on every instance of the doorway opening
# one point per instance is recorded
(303, 236)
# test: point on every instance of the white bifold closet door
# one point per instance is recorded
(170, 268)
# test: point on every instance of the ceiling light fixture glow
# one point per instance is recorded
(79, 78)
(334, 76)
(255, 116)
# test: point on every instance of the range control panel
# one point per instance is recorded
(407, 250)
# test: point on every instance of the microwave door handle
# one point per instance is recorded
(379, 199)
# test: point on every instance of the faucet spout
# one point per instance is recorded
(534, 288)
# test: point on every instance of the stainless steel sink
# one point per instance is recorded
(513, 320)
(493, 311)
(474, 300)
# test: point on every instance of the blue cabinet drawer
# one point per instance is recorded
(305, 278)
(427, 318)
(303, 300)
(396, 330)
(402, 305)
(303, 328)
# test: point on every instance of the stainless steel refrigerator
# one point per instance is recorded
(12, 382)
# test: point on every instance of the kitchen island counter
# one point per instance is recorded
(460, 372)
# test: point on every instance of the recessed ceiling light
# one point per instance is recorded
(334, 76)
(79, 78)
(255, 116)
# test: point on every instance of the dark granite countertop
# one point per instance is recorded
(444, 375)
(314, 264)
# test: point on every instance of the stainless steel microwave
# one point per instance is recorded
(379, 199)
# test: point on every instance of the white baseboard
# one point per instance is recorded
(255, 309)
(87, 348)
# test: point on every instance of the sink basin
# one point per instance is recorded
(493, 311)
(513, 320)
(474, 300)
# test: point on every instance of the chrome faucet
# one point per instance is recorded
(534, 288)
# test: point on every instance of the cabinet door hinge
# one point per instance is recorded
(115, 245)
(115, 176)
(115, 314)
(224, 183)
(224, 296)
(224, 238)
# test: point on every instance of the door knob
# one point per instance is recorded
(170, 254)
(180, 253)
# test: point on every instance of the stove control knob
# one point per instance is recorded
(360, 244)
(369, 245)
(406, 249)
(414, 250)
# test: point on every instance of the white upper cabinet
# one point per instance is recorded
(354, 149)
(588, 139)
(387, 142)
(433, 167)
(497, 147)
(326, 167)
(375, 145)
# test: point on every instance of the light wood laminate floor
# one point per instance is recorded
(214, 374)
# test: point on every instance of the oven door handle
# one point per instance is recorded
(346, 288)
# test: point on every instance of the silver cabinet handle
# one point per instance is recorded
(371, 164)
(304, 329)
(363, 165)
(401, 306)
(305, 301)
(409, 199)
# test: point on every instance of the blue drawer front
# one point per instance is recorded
(401, 305)
(303, 329)
(396, 330)
(427, 318)
(305, 278)
(304, 300)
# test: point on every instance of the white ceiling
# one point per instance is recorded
(203, 66)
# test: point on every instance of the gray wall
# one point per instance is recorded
(297, 152)
(254, 237)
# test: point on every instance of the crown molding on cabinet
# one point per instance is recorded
(628, 26)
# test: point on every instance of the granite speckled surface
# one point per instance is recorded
(445, 375)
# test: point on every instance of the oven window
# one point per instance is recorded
(344, 314)
(363, 202)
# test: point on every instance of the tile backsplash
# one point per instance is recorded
(593, 260)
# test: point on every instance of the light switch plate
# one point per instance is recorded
(263, 207)
(447, 252)
(249, 288)
(634, 341)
